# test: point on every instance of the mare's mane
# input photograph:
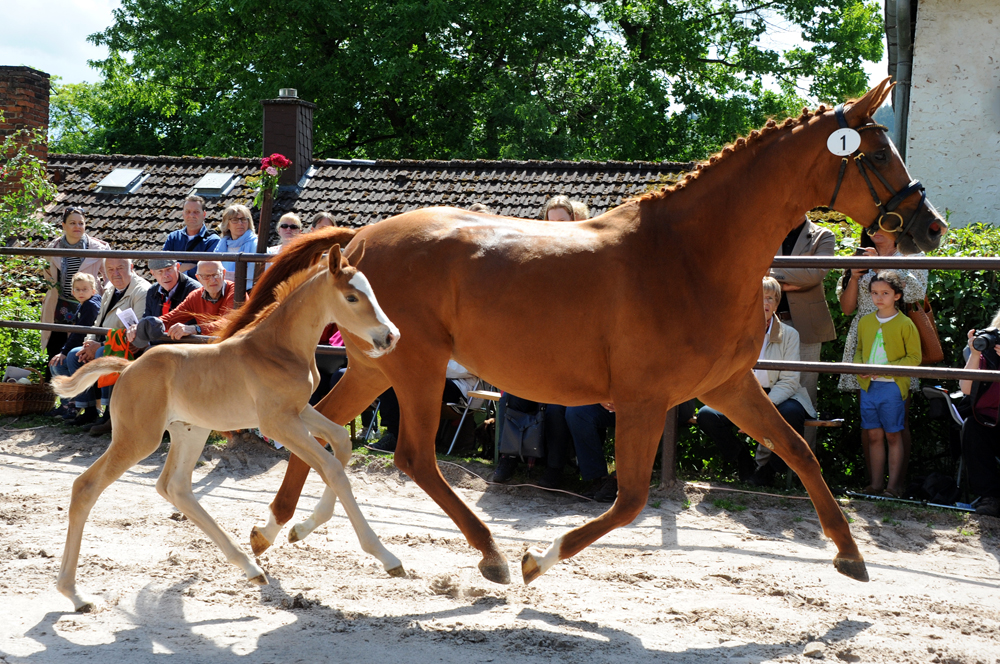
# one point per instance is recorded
(738, 145)
(300, 257)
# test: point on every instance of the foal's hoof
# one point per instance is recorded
(258, 543)
(853, 568)
(529, 568)
(259, 580)
(495, 570)
(86, 607)
(294, 536)
(397, 571)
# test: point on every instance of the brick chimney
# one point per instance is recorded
(24, 100)
(288, 130)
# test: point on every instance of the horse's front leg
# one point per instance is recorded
(420, 407)
(295, 432)
(744, 402)
(186, 444)
(638, 428)
(359, 387)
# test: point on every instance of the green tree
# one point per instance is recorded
(26, 190)
(638, 79)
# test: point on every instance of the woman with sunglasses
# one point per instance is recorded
(289, 228)
(59, 304)
(854, 294)
(238, 235)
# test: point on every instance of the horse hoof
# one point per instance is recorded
(86, 607)
(495, 570)
(853, 568)
(259, 580)
(397, 571)
(293, 535)
(258, 543)
(529, 568)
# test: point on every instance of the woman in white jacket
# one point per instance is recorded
(781, 342)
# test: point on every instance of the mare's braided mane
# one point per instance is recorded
(736, 146)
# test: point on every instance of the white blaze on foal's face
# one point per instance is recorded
(383, 335)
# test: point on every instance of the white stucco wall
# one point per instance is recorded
(953, 139)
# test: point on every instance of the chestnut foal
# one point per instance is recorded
(653, 303)
(260, 377)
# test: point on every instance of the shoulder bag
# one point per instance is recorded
(930, 344)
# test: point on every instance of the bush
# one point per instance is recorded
(21, 348)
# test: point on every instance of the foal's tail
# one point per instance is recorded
(87, 375)
(303, 253)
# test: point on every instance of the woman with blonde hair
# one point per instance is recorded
(289, 228)
(238, 235)
(558, 208)
(321, 220)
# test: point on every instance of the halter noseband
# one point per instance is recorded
(864, 165)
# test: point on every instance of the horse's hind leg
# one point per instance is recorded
(637, 433)
(359, 387)
(296, 436)
(744, 402)
(125, 451)
(420, 407)
(186, 444)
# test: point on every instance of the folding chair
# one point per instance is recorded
(488, 398)
(942, 406)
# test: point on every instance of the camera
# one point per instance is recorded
(986, 339)
(859, 251)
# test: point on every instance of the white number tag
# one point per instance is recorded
(843, 142)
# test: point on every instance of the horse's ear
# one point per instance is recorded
(872, 101)
(356, 253)
(335, 259)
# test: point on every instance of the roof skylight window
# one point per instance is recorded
(121, 181)
(215, 184)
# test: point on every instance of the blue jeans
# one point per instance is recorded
(87, 398)
(588, 425)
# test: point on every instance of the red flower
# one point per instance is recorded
(276, 160)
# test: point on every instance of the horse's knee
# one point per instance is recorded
(629, 504)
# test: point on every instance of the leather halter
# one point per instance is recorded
(864, 165)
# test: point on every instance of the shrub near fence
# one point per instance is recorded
(962, 299)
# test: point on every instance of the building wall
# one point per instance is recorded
(24, 100)
(953, 138)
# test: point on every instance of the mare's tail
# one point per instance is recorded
(87, 375)
(304, 252)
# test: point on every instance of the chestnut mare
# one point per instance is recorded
(648, 305)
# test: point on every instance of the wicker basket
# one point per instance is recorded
(20, 399)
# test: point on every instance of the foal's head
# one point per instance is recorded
(355, 308)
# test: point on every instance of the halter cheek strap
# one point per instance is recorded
(864, 165)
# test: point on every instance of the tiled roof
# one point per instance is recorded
(356, 192)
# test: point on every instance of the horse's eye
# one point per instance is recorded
(352, 298)
(880, 156)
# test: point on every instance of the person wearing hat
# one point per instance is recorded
(172, 286)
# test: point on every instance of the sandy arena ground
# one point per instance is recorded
(699, 577)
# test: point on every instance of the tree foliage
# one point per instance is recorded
(627, 79)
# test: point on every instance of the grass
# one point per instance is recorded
(728, 505)
(656, 505)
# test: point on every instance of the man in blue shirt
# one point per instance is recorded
(195, 235)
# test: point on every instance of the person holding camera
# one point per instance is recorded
(980, 435)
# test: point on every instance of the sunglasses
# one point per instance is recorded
(287, 226)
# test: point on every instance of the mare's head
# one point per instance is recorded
(355, 309)
(873, 187)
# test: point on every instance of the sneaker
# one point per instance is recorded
(608, 491)
(71, 414)
(505, 469)
(386, 444)
(88, 416)
(62, 410)
(988, 506)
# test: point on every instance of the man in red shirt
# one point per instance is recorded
(207, 305)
